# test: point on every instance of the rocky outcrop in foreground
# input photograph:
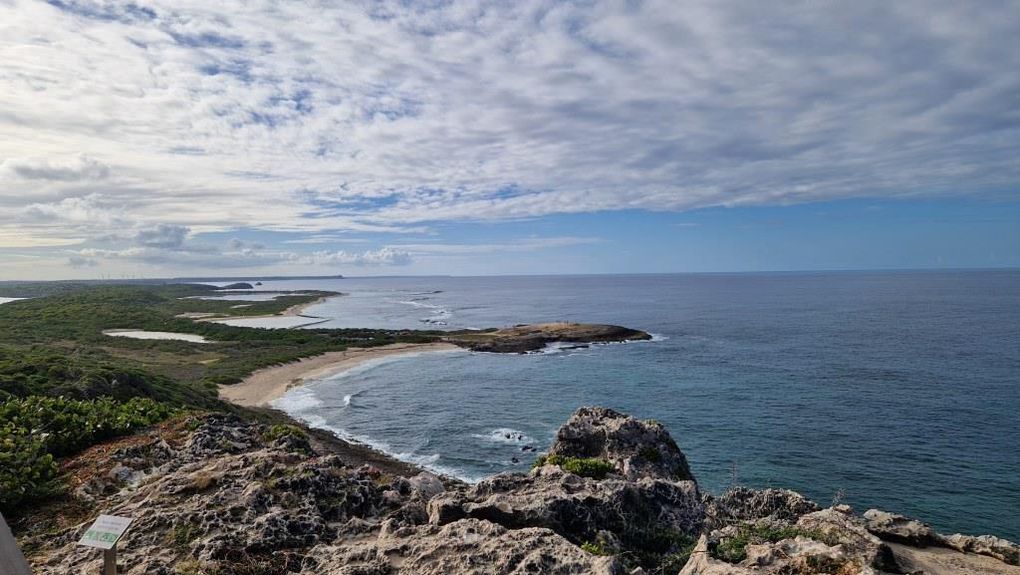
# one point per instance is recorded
(219, 495)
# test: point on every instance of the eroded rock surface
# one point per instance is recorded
(578, 507)
(636, 448)
(469, 546)
(893, 527)
(742, 504)
(218, 495)
(1001, 549)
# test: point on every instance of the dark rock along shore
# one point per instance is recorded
(528, 338)
(216, 494)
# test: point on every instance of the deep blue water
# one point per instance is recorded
(898, 390)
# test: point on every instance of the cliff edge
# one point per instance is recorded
(216, 494)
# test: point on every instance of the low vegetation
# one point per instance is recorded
(584, 466)
(734, 549)
(34, 431)
(64, 385)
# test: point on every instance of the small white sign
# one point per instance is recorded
(105, 532)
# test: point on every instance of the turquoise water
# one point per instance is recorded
(894, 390)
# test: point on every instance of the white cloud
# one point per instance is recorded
(381, 257)
(71, 169)
(162, 236)
(383, 117)
(76, 261)
(520, 245)
(168, 246)
(87, 209)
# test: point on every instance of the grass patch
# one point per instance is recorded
(595, 548)
(734, 549)
(593, 467)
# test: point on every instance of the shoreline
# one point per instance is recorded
(263, 386)
(295, 310)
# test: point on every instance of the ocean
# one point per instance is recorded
(896, 390)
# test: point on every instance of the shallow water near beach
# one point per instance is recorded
(896, 390)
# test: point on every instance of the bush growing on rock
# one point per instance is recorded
(584, 466)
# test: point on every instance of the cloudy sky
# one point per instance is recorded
(183, 137)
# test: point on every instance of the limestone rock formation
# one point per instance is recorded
(578, 507)
(647, 507)
(1001, 549)
(636, 448)
(702, 563)
(893, 527)
(470, 547)
(840, 526)
(757, 505)
(218, 494)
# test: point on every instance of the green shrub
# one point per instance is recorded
(593, 467)
(650, 453)
(734, 549)
(283, 430)
(595, 548)
(34, 430)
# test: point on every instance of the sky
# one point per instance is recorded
(176, 138)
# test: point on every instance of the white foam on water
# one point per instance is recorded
(506, 435)
(558, 347)
(299, 399)
(426, 461)
(302, 404)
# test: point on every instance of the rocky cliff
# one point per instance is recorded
(219, 495)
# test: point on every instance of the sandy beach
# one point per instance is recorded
(265, 385)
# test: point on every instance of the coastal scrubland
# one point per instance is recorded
(54, 345)
(55, 359)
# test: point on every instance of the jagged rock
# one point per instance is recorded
(468, 547)
(939, 560)
(840, 526)
(223, 492)
(426, 485)
(472, 546)
(702, 563)
(800, 555)
(219, 433)
(893, 527)
(636, 448)
(742, 504)
(1001, 549)
(578, 507)
(219, 498)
